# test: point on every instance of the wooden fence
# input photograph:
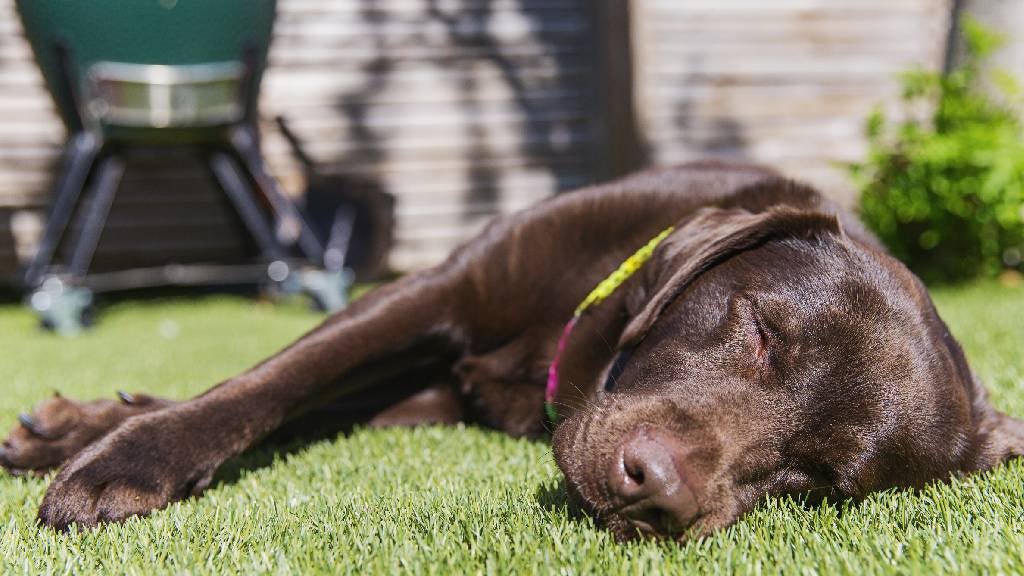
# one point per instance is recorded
(788, 83)
(469, 108)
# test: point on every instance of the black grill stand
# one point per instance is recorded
(292, 259)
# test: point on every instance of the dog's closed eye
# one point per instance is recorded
(615, 370)
(760, 340)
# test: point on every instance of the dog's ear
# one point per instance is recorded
(702, 240)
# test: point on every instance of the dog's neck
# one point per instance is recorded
(603, 290)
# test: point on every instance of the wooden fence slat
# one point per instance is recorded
(788, 82)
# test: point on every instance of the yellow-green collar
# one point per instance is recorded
(603, 290)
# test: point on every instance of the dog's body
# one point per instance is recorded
(769, 346)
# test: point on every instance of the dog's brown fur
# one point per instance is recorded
(774, 348)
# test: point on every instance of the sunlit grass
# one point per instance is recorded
(452, 501)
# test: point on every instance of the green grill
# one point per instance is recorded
(132, 74)
(136, 64)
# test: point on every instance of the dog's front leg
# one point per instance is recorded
(168, 455)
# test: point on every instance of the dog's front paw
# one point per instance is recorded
(59, 428)
(147, 463)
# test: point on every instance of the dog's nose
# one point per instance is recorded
(649, 480)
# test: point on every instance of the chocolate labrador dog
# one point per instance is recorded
(768, 346)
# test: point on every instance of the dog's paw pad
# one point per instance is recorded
(130, 472)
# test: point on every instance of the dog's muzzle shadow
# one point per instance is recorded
(553, 497)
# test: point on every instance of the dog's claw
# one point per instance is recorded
(125, 397)
(28, 422)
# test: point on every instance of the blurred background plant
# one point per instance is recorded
(943, 186)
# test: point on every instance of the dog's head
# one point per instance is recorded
(767, 353)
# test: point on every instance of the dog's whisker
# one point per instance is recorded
(589, 402)
(576, 407)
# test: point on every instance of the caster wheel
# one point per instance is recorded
(328, 290)
(63, 309)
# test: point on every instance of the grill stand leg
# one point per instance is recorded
(107, 180)
(327, 286)
(61, 305)
(240, 194)
(291, 228)
(79, 156)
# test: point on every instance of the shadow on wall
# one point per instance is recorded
(470, 45)
(540, 142)
(705, 133)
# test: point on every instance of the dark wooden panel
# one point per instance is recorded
(8, 257)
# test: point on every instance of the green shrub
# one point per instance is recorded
(943, 187)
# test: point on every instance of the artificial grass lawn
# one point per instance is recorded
(459, 500)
